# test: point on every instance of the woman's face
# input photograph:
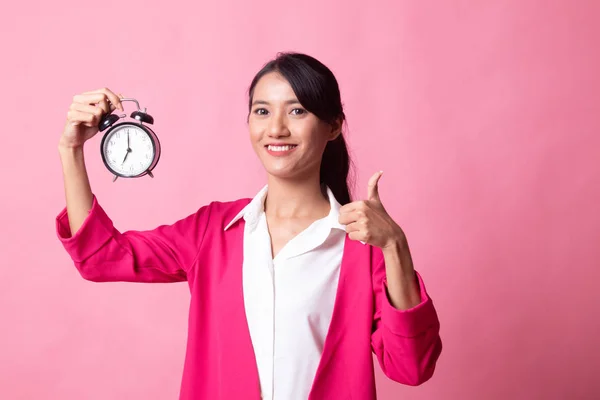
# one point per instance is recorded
(288, 139)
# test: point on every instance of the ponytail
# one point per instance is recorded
(335, 167)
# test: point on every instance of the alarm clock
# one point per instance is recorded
(129, 148)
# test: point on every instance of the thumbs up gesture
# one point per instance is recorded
(368, 221)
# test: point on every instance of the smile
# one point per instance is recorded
(277, 150)
(281, 148)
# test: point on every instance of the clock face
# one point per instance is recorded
(128, 150)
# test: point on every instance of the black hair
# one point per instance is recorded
(317, 90)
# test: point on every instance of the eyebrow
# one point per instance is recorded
(287, 102)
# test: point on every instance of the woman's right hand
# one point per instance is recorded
(85, 114)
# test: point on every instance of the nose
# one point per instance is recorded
(278, 127)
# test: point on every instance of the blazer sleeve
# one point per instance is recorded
(406, 342)
(101, 253)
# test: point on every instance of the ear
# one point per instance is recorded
(336, 129)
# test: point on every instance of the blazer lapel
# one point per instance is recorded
(239, 373)
(343, 309)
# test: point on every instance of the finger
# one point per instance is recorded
(114, 99)
(99, 99)
(82, 118)
(349, 217)
(373, 188)
(89, 98)
(357, 235)
(355, 205)
(86, 108)
(95, 112)
(353, 227)
(106, 106)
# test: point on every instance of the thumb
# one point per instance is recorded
(373, 188)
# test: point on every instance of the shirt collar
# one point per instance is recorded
(253, 209)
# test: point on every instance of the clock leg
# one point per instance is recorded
(115, 178)
(150, 173)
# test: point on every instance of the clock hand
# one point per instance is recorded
(126, 154)
(128, 148)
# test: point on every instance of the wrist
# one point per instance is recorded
(68, 149)
(397, 257)
(397, 243)
(71, 157)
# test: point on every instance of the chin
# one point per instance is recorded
(282, 173)
(291, 173)
(288, 168)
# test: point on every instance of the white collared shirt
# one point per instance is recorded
(289, 299)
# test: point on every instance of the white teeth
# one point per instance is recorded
(280, 148)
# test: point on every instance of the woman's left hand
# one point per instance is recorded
(368, 221)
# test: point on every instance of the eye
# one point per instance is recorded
(298, 111)
(260, 111)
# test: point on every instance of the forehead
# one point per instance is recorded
(273, 87)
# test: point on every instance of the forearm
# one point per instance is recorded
(402, 283)
(78, 193)
(406, 338)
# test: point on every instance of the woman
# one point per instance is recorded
(292, 290)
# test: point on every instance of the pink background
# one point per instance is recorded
(483, 115)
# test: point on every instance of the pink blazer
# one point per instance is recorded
(220, 362)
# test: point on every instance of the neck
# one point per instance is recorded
(295, 198)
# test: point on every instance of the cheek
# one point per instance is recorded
(318, 141)
(316, 132)
(255, 133)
